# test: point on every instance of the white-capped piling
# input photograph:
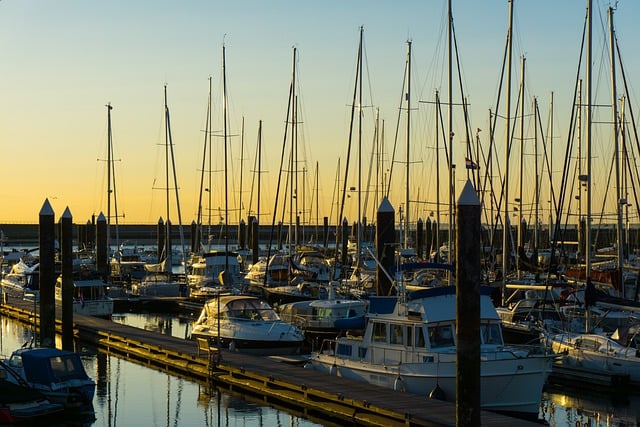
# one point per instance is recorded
(102, 247)
(160, 231)
(66, 250)
(468, 308)
(385, 246)
(255, 240)
(47, 238)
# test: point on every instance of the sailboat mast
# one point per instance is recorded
(207, 136)
(505, 222)
(616, 144)
(109, 168)
(520, 189)
(450, 138)
(587, 237)
(407, 212)
(226, 178)
(167, 246)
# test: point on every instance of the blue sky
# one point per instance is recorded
(62, 61)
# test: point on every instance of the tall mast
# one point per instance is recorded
(226, 157)
(587, 237)
(450, 138)
(616, 144)
(408, 98)
(520, 217)
(505, 221)
(167, 246)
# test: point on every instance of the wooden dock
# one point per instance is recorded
(273, 381)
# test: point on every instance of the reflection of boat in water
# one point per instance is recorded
(247, 324)
(20, 404)
(580, 407)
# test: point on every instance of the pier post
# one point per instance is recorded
(385, 246)
(325, 232)
(419, 238)
(345, 243)
(428, 239)
(66, 245)
(468, 263)
(47, 237)
(298, 231)
(280, 235)
(255, 240)
(102, 247)
(161, 239)
(195, 244)
(242, 234)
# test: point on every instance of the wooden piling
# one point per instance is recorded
(47, 237)
(66, 245)
(195, 244)
(385, 245)
(468, 308)
(242, 234)
(344, 244)
(102, 247)
(160, 231)
(419, 238)
(325, 231)
(255, 240)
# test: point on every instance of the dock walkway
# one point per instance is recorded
(273, 381)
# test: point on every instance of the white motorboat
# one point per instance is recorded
(89, 297)
(247, 324)
(409, 344)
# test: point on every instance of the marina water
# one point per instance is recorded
(128, 394)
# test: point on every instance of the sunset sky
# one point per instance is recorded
(62, 61)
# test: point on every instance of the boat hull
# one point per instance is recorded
(507, 386)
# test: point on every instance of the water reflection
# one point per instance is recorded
(130, 394)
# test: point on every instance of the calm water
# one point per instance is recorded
(128, 394)
(131, 395)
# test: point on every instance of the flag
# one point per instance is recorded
(471, 164)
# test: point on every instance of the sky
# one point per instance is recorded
(63, 61)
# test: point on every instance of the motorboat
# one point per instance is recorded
(89, 297)
(595, 352)
(409, 345)
(326, 317)
(21, 404)
(58, 374)
(247, 324)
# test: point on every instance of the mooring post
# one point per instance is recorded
(279, 236)
(468, 308)
(345, 244)
(102, 247)
(242, 234)
(47, 276)
(161, 239)
(385, 245)
(195, 245)
(325, 231)
(419, 238)
(255, 240)
(66, 245)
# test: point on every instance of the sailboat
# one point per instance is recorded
(159, 279)
(207, 266)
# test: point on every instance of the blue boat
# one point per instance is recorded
(58, 374)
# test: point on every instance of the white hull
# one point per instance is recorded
(511, 386)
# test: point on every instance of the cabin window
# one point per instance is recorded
(344, 350)
(379, 332)
(409, 334)
(441, 336)
(420, 342)
(490, 333)
(397, 335)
